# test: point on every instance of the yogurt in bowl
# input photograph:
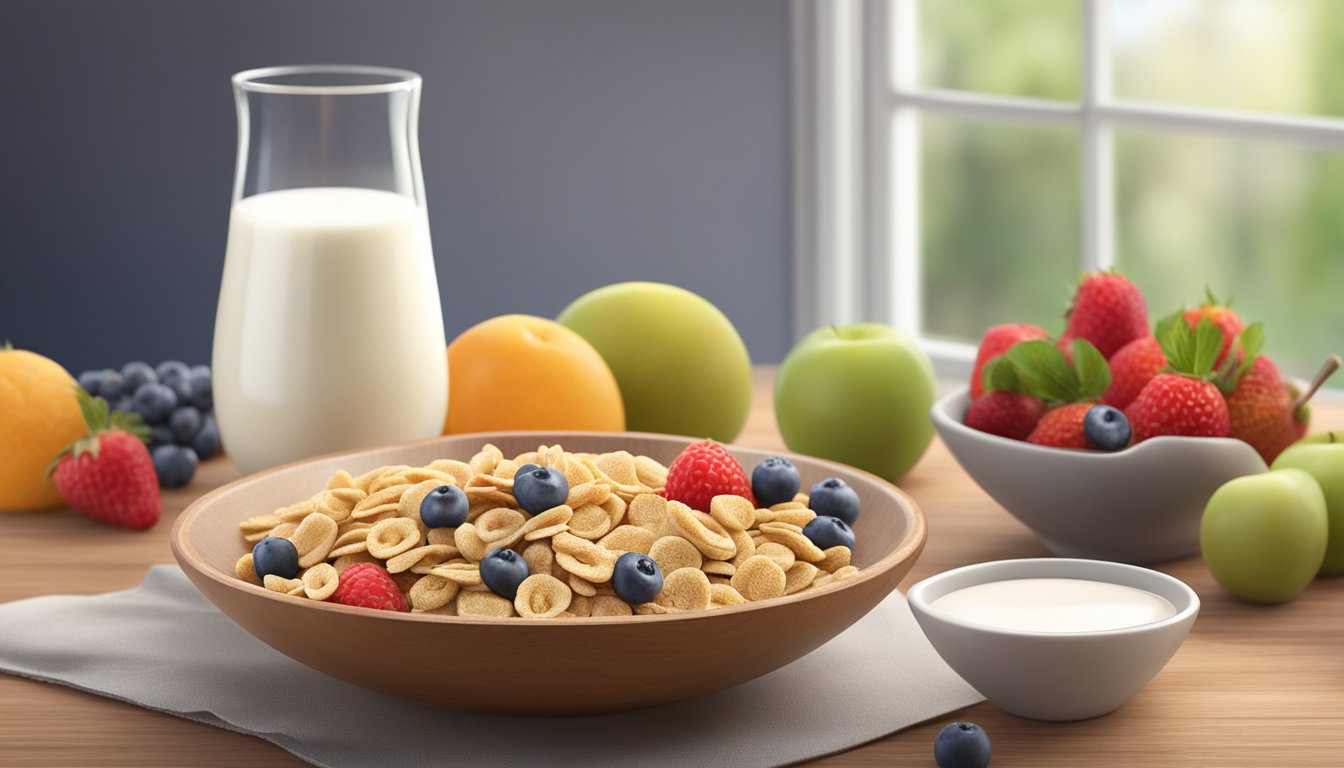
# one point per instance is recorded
(1053, 638)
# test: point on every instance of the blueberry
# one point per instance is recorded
(833, 497)
(1107, 428)
(206, 442)
(138, 374)
(636, 578)
(444, 507)
(91, 381)
(174, 465)
(540, 489)
(202, 388)
(185, 423)
(502, 571)
(774, 480)
(185, 391)
(155, 402)
(124, 403)
(961, 745)
(200, 371)
(161, 434)
(112, 386)
(172, 370)
(525, 468)
(275, 555)
(826, 531)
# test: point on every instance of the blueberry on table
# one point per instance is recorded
(1107, 427)
(155, 402)
(174, 465)
(172, 370)
(826, 531)
(112, 387)
(123, 403)
(161, 434)
(540, 489)
(274, 555)
(961, 745)
(183, 388)
(91, 381)
(185, 423)
(502, 571)
(774, 480)
(202, 388)
(206, 442)
(444, 507)
(138, 374)
(834, 498)
(636, 578)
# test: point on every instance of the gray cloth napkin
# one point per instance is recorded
(163, 646)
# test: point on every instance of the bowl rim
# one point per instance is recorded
(919, 603)
(944, 419)
(909, 548)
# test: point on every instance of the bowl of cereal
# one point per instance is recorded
(744, 591)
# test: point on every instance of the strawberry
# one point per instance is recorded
(1062, 427)
(997, 340)
(1261, 411)
(1107, 310)
(1132, 368)
(702, 471)
(1006, 414)
(107, 474)
(1221, 316)
(367, 585)
(1184, 401)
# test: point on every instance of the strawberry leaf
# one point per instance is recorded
(1189, 351)
(1042, 371)
(1091, 370)
(999, 374)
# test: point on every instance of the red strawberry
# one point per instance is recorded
(107, 474)
(369, 586)
(1173, 404)
(997, 340)
(1107, 310)
(702, 471)
(1006, 414)
(1062, 427)
(1132, 368)
(1261, 410)
(1221, 316)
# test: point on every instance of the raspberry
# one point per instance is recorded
(368, 586)
(705, 470)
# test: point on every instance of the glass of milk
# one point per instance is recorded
(329, 333)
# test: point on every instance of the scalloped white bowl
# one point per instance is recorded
(1139, 505)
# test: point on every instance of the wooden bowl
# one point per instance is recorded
(519, 666)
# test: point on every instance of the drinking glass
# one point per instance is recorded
(329, 333)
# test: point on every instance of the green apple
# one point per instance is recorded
(680, 364)
(858, 394)
(1324, 461)
(1263, 536)
(1321, 437)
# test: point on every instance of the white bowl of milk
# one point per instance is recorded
(1053, 638)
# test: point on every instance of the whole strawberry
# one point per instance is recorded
(1062, 427)
(1107, 310)
(1006, 414)
(997, 340)
(1222, 317)
(367, 585)
(107, 474)
(1184, 400)
(1131, 369)
(702, 471)
(1261, 411)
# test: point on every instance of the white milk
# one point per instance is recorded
(329, 333)
(1054, 605)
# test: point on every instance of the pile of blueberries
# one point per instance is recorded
(177, 403)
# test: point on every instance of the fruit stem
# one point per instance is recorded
(1328, 369)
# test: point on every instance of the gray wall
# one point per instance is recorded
(566, 144)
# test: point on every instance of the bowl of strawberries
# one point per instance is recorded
(1108, 440)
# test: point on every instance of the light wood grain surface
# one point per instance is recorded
(1253, 686)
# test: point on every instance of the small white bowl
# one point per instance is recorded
(1139, 505)
(1055, 675)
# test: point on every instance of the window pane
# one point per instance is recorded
(1012, 47)
(1258, 221)
(1276, 55)
(1000, 224)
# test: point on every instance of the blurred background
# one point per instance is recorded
(573, 143)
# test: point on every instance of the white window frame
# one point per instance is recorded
(857, 249)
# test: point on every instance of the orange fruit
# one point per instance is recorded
(525, 372)
(39, 415)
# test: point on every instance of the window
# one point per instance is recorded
(963, 160)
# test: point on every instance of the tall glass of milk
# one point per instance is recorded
(328, 333)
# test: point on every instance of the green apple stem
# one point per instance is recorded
(1328, 369)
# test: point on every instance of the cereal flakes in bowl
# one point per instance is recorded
(743, 591)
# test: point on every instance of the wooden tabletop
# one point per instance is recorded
(1252, 686)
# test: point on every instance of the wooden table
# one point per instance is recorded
(1252, 686)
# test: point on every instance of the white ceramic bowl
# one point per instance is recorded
(1055, 675)
(1139, 505)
